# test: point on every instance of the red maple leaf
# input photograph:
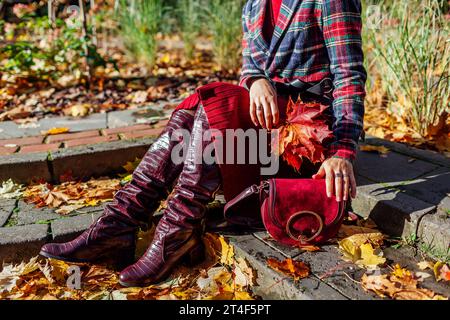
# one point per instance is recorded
(303, 134)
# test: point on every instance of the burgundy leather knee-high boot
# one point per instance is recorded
(178, 234)
(112, 238)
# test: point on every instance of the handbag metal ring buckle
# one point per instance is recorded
(301, 238)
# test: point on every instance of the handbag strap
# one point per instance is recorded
(247, 193)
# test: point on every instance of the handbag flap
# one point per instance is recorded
(301, 203)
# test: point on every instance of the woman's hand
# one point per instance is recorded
(340, 179)
(263, 104)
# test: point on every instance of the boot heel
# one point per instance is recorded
(195, 256)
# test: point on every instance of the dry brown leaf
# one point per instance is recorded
(349, 230)
(423, 265)
(399, 288)
(371, 148)
(295, 269)
(308, 248)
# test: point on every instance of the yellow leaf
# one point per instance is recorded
(368, 258)
(130, 166)
(441, 271)
(165, 58)
(227, 252)
(242, 295)
(92, 202)
(54, 131)
(351, 246)
(400, 272)
(370, 148)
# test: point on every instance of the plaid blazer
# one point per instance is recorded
(313, 39)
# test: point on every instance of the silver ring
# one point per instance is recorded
(338, 175)
(258, 108)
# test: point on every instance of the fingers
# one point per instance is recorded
(253, 112)
(338, 179)
(267, 115)
(352, 183)
(320, 174)
(329, 181)
(346, 186)
(260, 113)
(275, 111)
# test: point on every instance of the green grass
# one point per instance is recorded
(412, 55)
(140, 21)
(224, 23)
(191, 16)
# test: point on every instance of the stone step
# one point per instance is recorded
(331, 278)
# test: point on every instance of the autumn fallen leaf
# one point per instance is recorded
(295, 269)
(400, 284)
(54, 131)
(371, 148)
(361, 249)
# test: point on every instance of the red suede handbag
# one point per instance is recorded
(293, 211)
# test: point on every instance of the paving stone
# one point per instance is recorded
(90, 140)
(390, 208)
(68, 228)
(444, 206)
(99, 159)
(23, 168)
(6, 208)
(399, 214)
(143, 133)
(29, 214)
(433, 230)
(327, 265)
(432, 187)
(124, 118)
(126, 129)
(8, 150)
(39, 148)
(72, 136)
(425, 155)
(10, 130)
(91, 122)
(273, 285)
(390, 168)
(408, 257)
(22, 141)
(20, 243)
(288, 252)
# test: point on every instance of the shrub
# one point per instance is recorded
(412, 55)
(224, 23)
(190, 14)
(140, 21)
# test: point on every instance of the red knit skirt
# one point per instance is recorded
(227, 107)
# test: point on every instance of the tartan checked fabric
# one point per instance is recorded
(312, 40)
